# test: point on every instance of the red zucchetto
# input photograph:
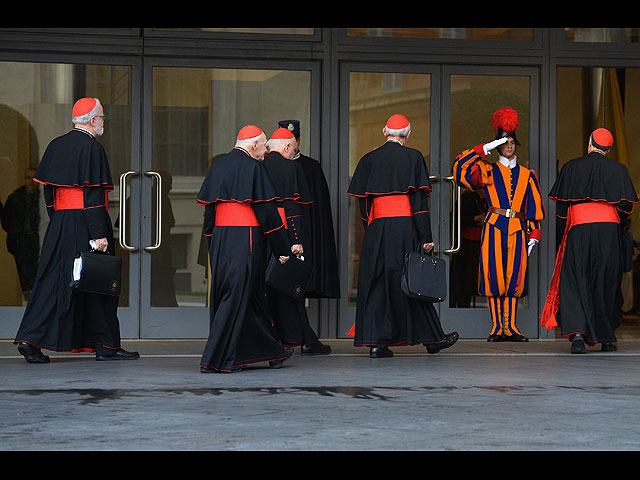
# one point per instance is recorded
(249, 131)
(282, 133)
(83, 106)
(601, 138)
(397, 122)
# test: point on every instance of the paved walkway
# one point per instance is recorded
(474, 396)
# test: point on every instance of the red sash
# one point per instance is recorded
(68, 198)
(234, 214)
(592, 212)
(390, 206)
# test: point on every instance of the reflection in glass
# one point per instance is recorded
(522, 34)
(35, 107)
(474, 98)
(602, 35)
(197, 113)
(373, 98)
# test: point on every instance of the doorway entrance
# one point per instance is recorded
(450, 110)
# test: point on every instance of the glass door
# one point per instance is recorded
(470, 96)
(450, 109)
(195, 114)
(36, 100)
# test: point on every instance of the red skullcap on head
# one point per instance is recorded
(397, 122)
(282, 133)
(601, 138)
(249, 131)
(83, 106)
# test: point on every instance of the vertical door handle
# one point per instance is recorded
(158, 178)
(122, 230)
(456, 234)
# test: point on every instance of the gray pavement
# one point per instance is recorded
(475, 396)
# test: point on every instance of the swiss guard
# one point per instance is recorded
(511, 227)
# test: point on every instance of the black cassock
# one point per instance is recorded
(290, 316)
(320, 243)
(591, 271)
(384, 315)
(241, 332)
(58, 317)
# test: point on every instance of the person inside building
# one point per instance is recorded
(391, 184)
(512, 226)
(320, 242)
(241, 218)
(289, 315)
(76, 178)
(21, 220)
(594, 195)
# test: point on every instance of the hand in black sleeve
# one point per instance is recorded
(419, 201)
(95, 210)
(209, 221)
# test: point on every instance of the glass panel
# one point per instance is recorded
(272, 31)
(197, 113)
(602, 35)
(474, 98)
(522, 34)
(373, 98)
(589, 98)
(35, 107)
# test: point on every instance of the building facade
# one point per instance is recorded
(175, 98)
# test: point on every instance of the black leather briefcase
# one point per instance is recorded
(424, 277)
(97, 273)
(292, 278)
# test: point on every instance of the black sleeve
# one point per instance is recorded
(48, 199)
(295, 222)
(95, 210)
(419, 200)
(269, 218)
(209, 222)
(365, 208)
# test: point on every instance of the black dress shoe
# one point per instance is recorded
(278, 363)
(495, 338)
(380, 352)
(610, 347)
(577, 344)
(446, 342)
(516, 337)
(32, 354)
(119, 354)
(316, 348)
(206, 369)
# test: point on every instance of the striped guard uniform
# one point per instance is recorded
(502, 274)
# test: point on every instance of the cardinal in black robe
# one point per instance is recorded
(241, 219)
(594, 195)
(320, 243)
(76, 180)
(290, 315)
(392, 186)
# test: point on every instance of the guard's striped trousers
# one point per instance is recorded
(503, 315)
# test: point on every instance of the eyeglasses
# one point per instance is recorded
(103, 117)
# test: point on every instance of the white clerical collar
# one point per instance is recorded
(508, 163)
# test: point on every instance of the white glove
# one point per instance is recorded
(532, 243)
(487, 147)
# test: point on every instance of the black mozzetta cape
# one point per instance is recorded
(224, 181)
(595, 177)
(390, 168)
(85, 162)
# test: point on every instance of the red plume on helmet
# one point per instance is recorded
(505, 123)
